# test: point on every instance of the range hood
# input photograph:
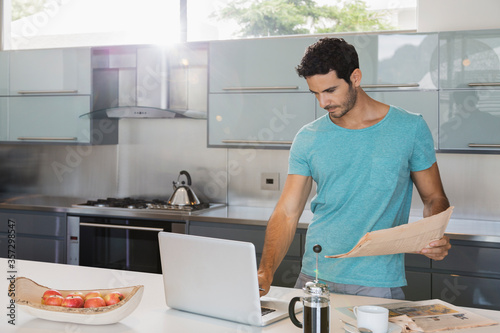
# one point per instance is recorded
(149, 82)
(144, 112)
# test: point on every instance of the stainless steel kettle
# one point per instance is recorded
(183, 194)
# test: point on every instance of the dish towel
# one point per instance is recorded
(406, 323)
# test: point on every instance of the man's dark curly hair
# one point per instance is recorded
(329, 54)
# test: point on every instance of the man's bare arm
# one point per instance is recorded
(282, 226)
(430, 188)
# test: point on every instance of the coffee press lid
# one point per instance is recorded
(315, 288)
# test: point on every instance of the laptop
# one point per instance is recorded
(217, 278)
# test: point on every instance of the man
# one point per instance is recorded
(365, 157)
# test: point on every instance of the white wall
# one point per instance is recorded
(446, 15)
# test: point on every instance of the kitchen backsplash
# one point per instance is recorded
(152, 152)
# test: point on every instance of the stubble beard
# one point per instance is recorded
(347, 106)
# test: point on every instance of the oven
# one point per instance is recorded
(117, 243)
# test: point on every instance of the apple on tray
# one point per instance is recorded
(92, 294)
(54, 300)
(94, 302)
(73, 301)
(113, 297)
(49, 293)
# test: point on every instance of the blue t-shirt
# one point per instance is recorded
(363, 184)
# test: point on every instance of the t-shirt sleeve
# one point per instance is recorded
(297, 161)
(424, 155)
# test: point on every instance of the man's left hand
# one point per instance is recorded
(437, 250)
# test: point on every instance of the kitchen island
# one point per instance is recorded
(152, 314)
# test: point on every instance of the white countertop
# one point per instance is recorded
(153, 315)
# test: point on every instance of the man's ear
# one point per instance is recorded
(356, 77)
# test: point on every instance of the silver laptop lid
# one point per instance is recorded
(210, 276)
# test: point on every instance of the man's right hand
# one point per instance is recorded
(264, 283)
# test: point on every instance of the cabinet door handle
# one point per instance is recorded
(46, 92)
(113, 226)
(484, 84)
(262, 88)
(47, 138)
(409, 85)
(259, 142)
(484, 145)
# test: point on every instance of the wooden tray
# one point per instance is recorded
(29, 295)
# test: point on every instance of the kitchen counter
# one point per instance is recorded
(461, 229)
(152, 314)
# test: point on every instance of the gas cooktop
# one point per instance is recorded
(137, 203)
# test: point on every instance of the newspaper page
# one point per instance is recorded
(407, 238)
(436, 315)
(433, 315)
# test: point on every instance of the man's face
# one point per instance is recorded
(334, 95)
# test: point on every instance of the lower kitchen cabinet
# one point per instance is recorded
(289, 269)
(418, 277)
(468, 276)
(38, 236)
(419, 286)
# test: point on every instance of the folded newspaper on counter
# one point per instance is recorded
(406, 238)
(429, 316)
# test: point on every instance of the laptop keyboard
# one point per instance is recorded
(266, 311)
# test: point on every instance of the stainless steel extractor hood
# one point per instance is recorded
(150, 82)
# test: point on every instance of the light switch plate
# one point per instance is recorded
(270, 181)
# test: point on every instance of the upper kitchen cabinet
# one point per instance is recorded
(4, 73)
(258, 119)
(4, 118)
(257, 65)
(469, 119)
(51, 119)
(469, 59)
(396, 61)
(50, 72)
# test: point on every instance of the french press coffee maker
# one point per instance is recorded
(316, 302)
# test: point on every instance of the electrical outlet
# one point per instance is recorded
(270, 181)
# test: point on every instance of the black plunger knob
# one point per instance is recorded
(317, 248)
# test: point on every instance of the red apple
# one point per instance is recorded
(54, 300)
(77, 293)
(49, 293)
(94, 302)
(73, 302)
(113, 297)
(92, 294)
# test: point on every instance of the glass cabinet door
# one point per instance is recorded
(247, 65)
(49, 119)
(469, 59)
(4, 118)
(469, 119)
(258, 119)
(396, 60)
(4, 73)
(51, 71)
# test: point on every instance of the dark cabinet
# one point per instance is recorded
(468, 276)
(38, 236)
(289, 269)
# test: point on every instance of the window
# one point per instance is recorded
(211, 19)
(29, 24)
(67, 23)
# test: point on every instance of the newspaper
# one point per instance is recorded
(436, 315)
(432, 315)
(407, 238)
